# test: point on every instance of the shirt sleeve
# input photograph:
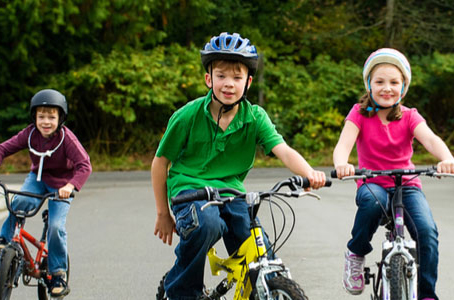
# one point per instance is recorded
(174, 137)
(354, 116)
(267, 135)
(76, 153)
(14, 144)
(415, 119)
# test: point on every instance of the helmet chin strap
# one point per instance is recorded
(43, 154)
(378, 106)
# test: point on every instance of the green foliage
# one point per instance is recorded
(126, 66)
(308, 103)
(135, 90)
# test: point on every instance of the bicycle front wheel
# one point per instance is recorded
(285, 288)
(398, 282)
(8, 268)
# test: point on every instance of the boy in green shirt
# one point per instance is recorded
(211, 141)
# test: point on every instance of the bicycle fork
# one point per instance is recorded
(406, 249)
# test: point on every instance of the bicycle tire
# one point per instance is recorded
(398, 281)
(161, 294)
(285, 288)
(42, 287)
(8, 267)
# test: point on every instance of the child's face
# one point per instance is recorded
(386, 83)
(46, 120)
(228, 82)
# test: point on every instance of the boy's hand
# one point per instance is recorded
(446, 166)
(345, 170)
(317, 179)
(164, 228)
(65, 192)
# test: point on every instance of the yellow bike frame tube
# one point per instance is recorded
(237, 265)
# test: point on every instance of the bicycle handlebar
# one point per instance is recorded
(366, 173)
(33, 212)
(295, 183)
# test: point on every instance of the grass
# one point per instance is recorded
(20, 162)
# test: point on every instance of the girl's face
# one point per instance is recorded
(228, 82)
(386, 84)
(46, 120)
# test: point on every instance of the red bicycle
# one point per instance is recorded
(16, 259)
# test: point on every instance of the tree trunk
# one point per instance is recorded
(389, 29)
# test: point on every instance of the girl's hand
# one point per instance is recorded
(446, 166)
(345, 170)
(65, 192)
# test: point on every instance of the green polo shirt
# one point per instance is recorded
(199, 160)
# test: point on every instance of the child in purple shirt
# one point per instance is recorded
(59, 163)
(383, 130)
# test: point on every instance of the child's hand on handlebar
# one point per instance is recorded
(65, 192)
(317, 179)
(446, 166)
(345, 170)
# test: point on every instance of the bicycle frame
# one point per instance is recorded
(250, 258)
(249, 265)
(395, 245)
(31, 265)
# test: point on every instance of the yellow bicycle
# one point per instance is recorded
(256, 274)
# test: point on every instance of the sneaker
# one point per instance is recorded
(354, 273)
(428, 299)
(58, 285)
(3, 243)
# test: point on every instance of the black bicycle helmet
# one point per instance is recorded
(52, 98)
(230, 47)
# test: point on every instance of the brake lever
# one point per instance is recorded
(211, 203)
(309, 194)
(354, 177)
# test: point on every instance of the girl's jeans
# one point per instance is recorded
(419, 222)
(58, 211)
(199, 231)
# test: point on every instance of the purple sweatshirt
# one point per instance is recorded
(70, 163)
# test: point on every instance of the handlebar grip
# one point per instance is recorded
(357, 172)
(188, 197)
(306, 184)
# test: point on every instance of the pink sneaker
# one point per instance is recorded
(354, 273)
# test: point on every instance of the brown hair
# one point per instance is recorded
(47, 109)
(365, 101)
(227, 64)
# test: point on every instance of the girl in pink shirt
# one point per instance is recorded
(383, 130)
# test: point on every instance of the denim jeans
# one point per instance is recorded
(199, 231)
(418, 220)
(57, 244)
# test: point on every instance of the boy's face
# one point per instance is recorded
(46, 120)
(228, 81)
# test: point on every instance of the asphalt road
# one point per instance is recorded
(114, 254)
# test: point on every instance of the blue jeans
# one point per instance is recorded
(199, 231)
(418, 220)
(57, 245)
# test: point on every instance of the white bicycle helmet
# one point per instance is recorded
(389, 56)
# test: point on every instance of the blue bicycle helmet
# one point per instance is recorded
(230, 47)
